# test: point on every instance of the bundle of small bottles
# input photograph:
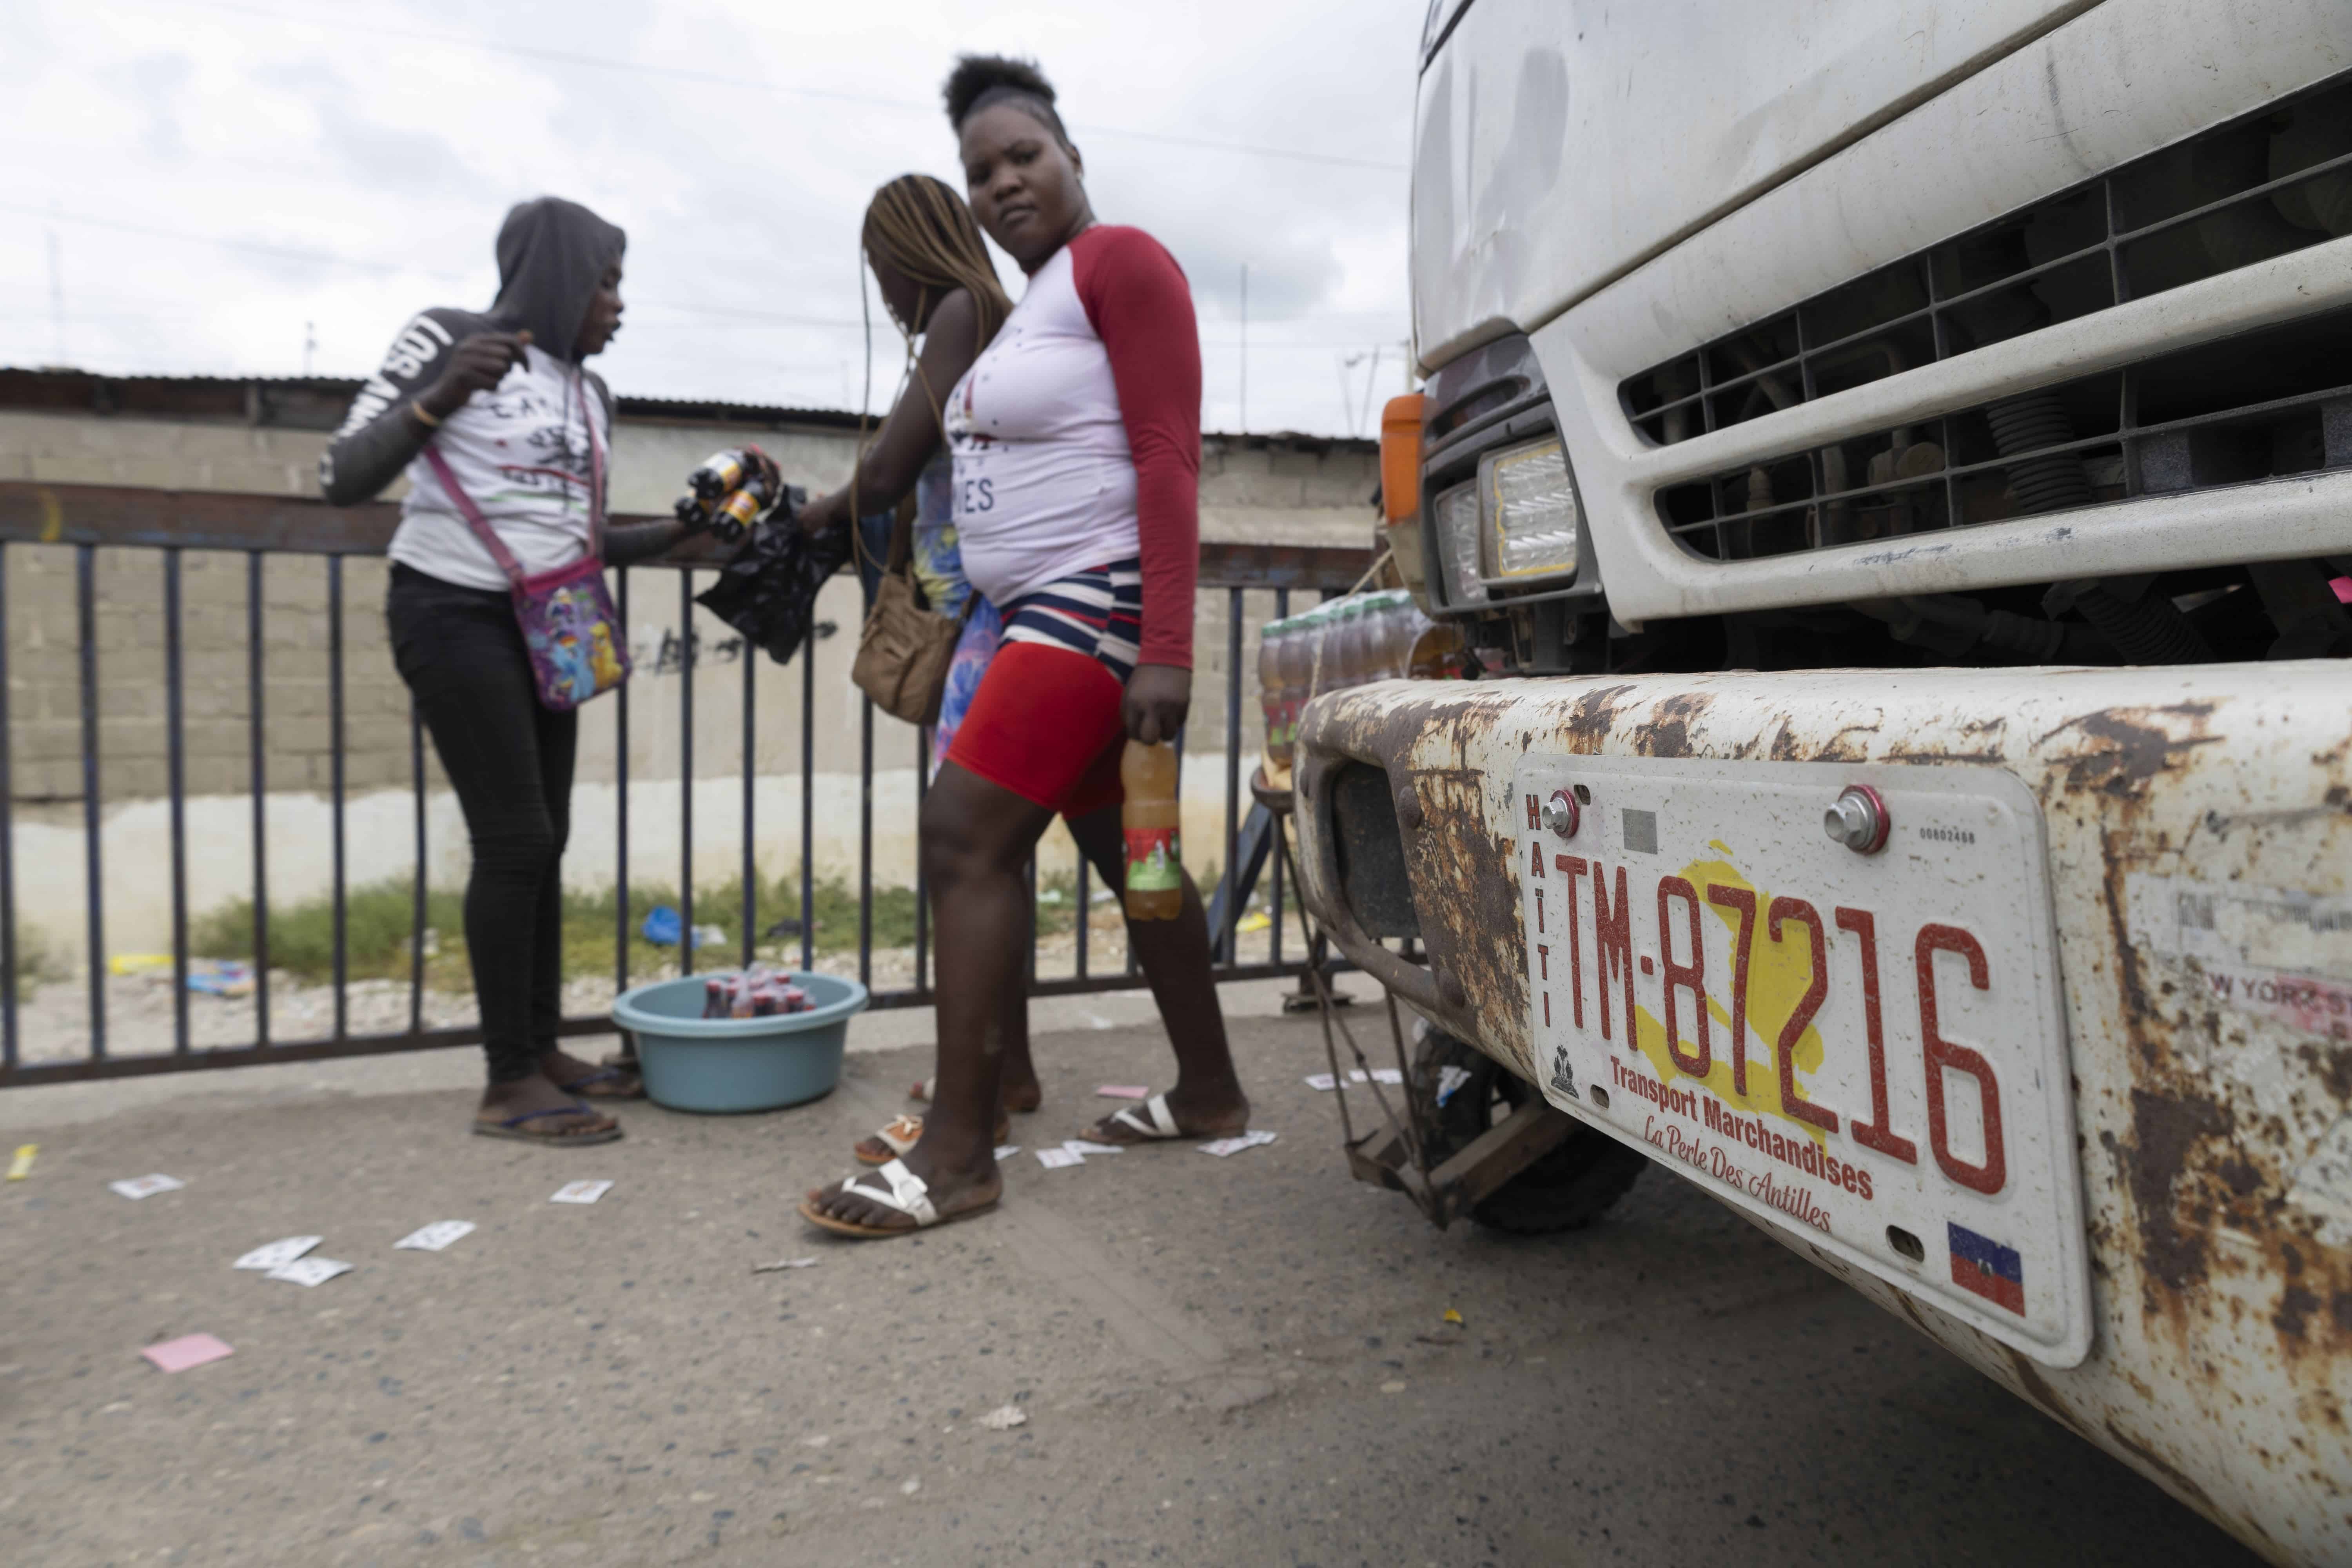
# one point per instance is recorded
(730, 491)
(758, 991)
(1342, 642)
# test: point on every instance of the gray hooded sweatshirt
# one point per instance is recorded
(522, 452)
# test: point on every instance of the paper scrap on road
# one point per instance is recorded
(781, 1264)
(436, 1235)
(278, 1254)
(1006, 1150)
(187, 1351)
(1449, 1078)
(1379, 1075)
(1081, 1146)
(1055, 1158)
(1224, 1147)
(146, 1186)
(1321, 1083)
(22, 1165)
(1124, 1091)
(580, 1192)
(1006, 1417)
(310, 1271)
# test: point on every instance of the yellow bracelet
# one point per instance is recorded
(427, 420)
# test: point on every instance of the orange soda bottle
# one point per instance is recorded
(1151, 820)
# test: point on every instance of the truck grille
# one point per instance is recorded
(2260, 406)
(2268, 404)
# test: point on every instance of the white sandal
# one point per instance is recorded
(906, 1191)
(1156, 1125)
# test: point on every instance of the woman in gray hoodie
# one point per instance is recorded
(506, 400)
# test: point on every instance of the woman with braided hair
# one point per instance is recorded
(940, 287)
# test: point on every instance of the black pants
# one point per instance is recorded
(510, 761)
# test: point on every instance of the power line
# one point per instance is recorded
(330, 258)
(759, 84)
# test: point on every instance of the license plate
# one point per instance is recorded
(1863, 1048)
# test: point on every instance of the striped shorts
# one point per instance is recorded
(1098, 612)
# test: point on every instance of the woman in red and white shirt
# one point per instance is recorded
(1077, 439)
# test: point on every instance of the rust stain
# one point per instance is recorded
(2132, 747)
(2166, 1471)
(2035, 1386)
(1667, 733)
(1589, 719)
(2165, 1130)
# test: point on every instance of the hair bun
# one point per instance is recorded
(976, 77)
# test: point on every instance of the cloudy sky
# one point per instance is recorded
(225, 186)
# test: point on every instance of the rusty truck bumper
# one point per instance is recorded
(2211, 1054)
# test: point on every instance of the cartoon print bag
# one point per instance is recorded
(578, 647)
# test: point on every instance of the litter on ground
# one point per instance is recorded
(22, 1165)
(1006, 1417)
(310, 1271)
(187, 1351)
(1123, 1092)
(278, 1254)
(436, 1235)
(1224, 1147)
(580, 1192)
(147, 1187)
(783, 1263)
(1055, 1159)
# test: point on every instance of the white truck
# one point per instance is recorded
(1890, 461)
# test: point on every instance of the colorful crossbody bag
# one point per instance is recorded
(578, 646)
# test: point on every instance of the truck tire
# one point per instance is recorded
(1567, 1189)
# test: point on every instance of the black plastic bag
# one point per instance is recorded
(768, 592)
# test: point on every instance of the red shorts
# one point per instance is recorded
(1045, 724)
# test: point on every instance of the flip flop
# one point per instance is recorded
(512, 1127)
(1155, 1124)
(611, 1074)
(902, 1134)
(906, 1191)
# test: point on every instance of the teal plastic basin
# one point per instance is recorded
(693, 1063)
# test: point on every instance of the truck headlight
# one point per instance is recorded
(1533, 524)
(1455, 513)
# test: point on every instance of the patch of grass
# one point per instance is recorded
(36, 965)
(378, 919)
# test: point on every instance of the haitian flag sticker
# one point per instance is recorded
(1988, 1269)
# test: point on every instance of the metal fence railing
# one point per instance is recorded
(127, 523)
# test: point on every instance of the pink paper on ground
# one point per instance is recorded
(2343, 586)
(192, 1350)
(1124, 1091)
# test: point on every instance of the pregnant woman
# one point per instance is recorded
(506, 402)
(1077, 440)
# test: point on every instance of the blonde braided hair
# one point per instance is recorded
(920, 227)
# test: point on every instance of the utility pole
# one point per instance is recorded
(1244, 348)
(56, 304)
(310, 346)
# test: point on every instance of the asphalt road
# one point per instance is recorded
(1236, 1360)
